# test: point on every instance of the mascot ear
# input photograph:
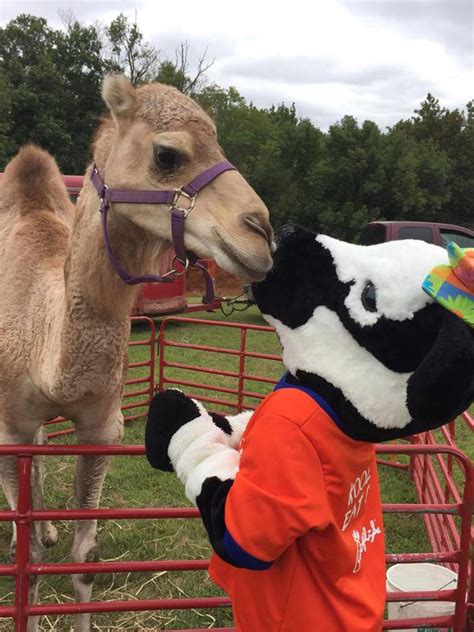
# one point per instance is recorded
(168, 412)
(442, 386)
(171, 410)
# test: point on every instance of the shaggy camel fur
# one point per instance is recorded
(64, 312)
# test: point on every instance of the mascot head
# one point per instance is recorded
(356, 327)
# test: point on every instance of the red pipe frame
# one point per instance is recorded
(436, 504)
(241, 376)
(24, 515)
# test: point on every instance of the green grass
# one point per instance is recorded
(132, 483)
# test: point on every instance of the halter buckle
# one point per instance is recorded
(181, 193)
(174, 272)
(102, 197)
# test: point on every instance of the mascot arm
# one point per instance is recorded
(279, 493)
(277, 496)
(237, 425)
(201, 448)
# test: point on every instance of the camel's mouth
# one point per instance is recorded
(237, 265)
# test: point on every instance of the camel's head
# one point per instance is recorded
(161, 139)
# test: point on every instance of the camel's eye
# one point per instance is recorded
(369, 297)
(166, 158)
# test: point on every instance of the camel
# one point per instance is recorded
(65, 312)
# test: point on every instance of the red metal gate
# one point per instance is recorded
(24, 515)
(238, 394)
(436, 482)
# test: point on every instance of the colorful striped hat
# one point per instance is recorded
(453, 285)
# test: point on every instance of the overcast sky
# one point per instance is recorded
(374, 59)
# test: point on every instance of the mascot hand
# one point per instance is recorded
(181, 435)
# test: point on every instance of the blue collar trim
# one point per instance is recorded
(317, 398)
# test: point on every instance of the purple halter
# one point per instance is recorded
(178, 215)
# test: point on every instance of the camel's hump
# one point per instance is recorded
(33, 179)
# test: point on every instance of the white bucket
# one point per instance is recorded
(418, 577)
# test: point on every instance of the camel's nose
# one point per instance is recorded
(260, 225)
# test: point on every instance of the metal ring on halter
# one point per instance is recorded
(102, 194)
(180, 193)
(173, 269)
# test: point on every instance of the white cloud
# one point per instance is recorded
(373, 60)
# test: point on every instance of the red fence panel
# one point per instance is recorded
(24, 515)
(244, 383)
(459, 556)
(437, 481)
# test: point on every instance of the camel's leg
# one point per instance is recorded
(9, 481)
(90, 475)
(49, 533)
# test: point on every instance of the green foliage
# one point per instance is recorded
(171, 75)
(335, 181)
(52, 89)
(5, 122)
(417, 178)
(129, 54)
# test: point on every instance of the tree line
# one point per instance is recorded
(421, 168)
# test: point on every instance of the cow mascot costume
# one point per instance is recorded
(289, 494)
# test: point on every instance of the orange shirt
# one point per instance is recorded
(306, 498)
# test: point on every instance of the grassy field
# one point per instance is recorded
(132, 483)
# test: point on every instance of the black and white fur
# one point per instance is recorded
(357, 329)
(391, 366)
(202, 448)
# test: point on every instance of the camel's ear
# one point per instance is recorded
(119, 95)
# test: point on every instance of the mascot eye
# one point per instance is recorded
(369, 298)
(165, 157)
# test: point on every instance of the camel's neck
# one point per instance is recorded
(95, 321)
(90, 276)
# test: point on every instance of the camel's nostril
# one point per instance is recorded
(260, 225)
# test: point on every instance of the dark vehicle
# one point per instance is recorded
(433, 233)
